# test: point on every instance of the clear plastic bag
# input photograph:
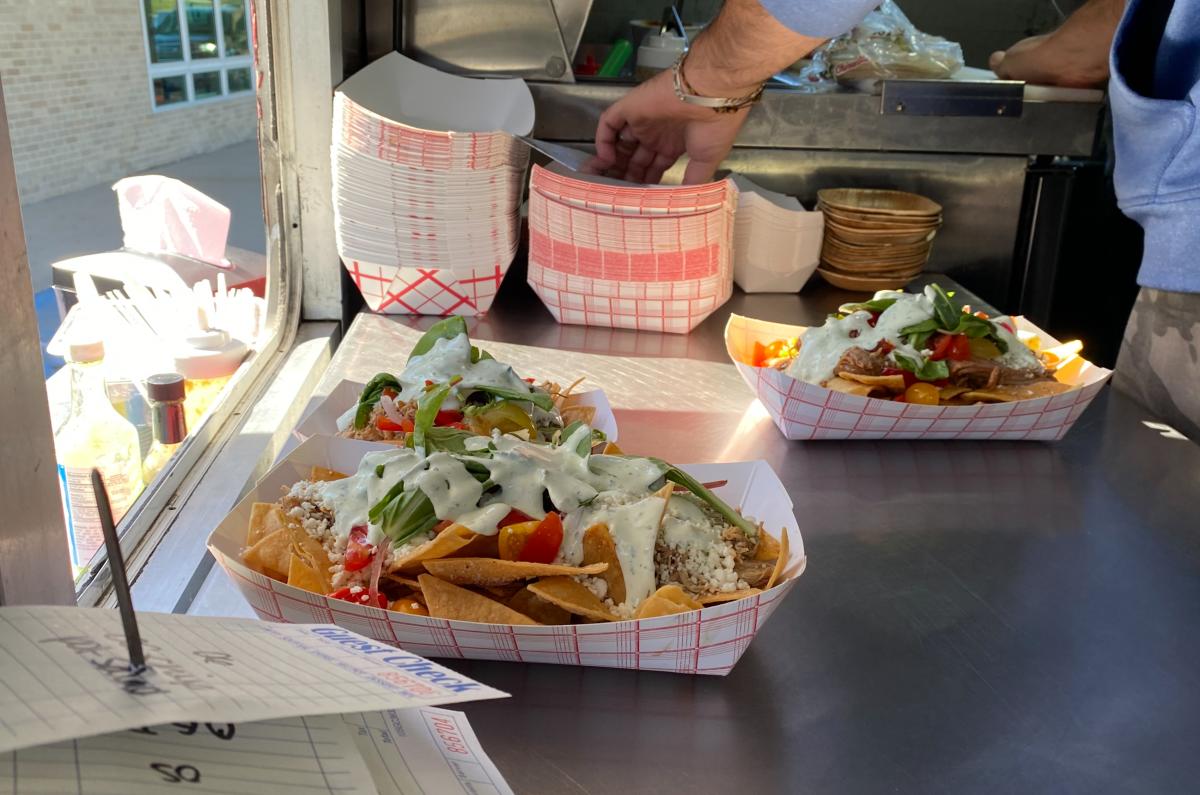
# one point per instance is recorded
(884, 45)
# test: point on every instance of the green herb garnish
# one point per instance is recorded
(927, 370)
(370, 396)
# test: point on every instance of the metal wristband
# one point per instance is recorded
(685, 92)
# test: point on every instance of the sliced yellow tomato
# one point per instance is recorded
(505, 417)
(922, 393)
(512, 538)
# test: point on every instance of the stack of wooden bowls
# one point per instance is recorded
(875, 239)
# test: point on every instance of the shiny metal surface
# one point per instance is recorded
(572, 19)
(516, 38)
(977, 617)
(847, 121)
(952, 97)
(34, 562)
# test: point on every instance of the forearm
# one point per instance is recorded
(743, 47)
(1090, 30)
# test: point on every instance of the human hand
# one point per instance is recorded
(642, 134)
(1051, 60)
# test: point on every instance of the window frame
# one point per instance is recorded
(188, 68)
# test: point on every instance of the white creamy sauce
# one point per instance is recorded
(521, 469)
(452, 357)
(686, 525)
(821, 348)
(1018, 354)
(634, 529)
(352, 497)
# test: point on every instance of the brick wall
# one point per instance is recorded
(78, 99)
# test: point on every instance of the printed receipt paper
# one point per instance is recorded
(64, 674)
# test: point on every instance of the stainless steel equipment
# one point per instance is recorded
(534, 39)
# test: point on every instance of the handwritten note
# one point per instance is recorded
(291, 755)
(64, 674)
(396, 752)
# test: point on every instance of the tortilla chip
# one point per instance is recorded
(598, 547)
(731, 596)
(951, 392)
(492, 571)
(447, 600)
(756, 572)
(837, 384)
(893, 382)
(572, 596)
(447, 542)
(321, 475)
(479, 547)
(611, 448)
(410, 606)
(272, 555)
(502, 592)
(578, 413)
(308, 547)
(780, 561)
(768, 546)
(537, 608)
(666, 601)
(265, 518)
(406, 581)
(1011, 392)
(307, 577)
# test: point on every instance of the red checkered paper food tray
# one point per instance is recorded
(320, 417)
(808, 411)
(708, 641)
(426, 291)
(652, 259)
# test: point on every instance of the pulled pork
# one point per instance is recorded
(986, 374)
(860, 361)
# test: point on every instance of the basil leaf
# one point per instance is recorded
(478, 355)
(946, 312)
(445, 329)
(428, 407)
(536, 396)
(927, 370)
(448, 440)
(370, 396)
(874, 305)
(410, 514)
(918, 328)
(920, 339)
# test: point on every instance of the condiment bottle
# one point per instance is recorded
(165, 394)
(94, 435)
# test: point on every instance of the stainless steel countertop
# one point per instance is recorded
(983, 617)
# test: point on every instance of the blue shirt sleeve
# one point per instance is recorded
(821, 19)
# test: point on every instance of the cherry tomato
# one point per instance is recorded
(387, 390)
(874, 319)
(410, 606)
(358, 552)
(960, 348)
(543, 543)
(941, 347)
(385, 423)
(909, 378)
(511, 540)
(363, 597)
(922, 393)
(513, 517)
(448, 418)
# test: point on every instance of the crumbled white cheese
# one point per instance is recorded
(597, 585)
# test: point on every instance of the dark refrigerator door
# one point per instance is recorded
(1077, 257)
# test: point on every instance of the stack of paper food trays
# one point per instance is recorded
(776, 242)
(427, 181)
(615, 254)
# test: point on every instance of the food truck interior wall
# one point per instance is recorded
(1030, 219)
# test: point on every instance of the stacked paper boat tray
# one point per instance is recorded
(776, 242)
(615, 254)
(427, 183)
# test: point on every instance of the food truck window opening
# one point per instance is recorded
(219, 455)
(196, 51)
